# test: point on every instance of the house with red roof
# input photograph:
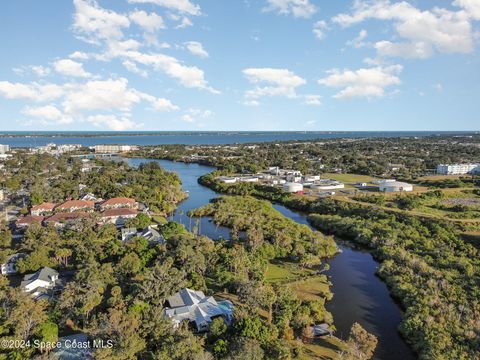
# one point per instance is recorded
(76, 205)
(43, 209)
(118, 216)
(28, 220)
(64, 219)
(119, 202)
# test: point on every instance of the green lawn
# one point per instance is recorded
(314, 288)
(326, 347)
(284, 271)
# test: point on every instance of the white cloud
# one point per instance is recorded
(419, 50)
(298, 8)
(367, 82)
(93, 23)
(132, 67)
(472, 7)
(251, 103)
(164, 105)
(35, 69)
(48, 114)
(112, 94)
(358, 42)
(423, 32)
(79, 55)
(40, 70)
(438, 87)
(196, 48)
(192, 115)
(113, 122)
(319, 29)
(186, 22)
(69, 67)
(189, 76)
(33, 91)
(313, 100)
(278, 82)
(105, 27)
(182, 6)
(150, 22)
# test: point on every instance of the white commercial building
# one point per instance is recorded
(110, 149)
(395, 186)
(4, 148)
(458, 169)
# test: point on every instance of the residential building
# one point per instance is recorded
(128, 233)
(67, 219)
(4, 149)
(8, 268)
(2, 195)
(28, 220)
(75, 205)
(395, 186)
(118, 216)
(112, 149)
(41, 283)
(149, 233)
(458, 169)
(193, 306)
(70, 348)
(152, 235)
(119, 202)
(42, 209)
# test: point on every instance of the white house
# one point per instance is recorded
(395, 186)
(8, 268)
(149, 233)
(40, 283)
(193, 306)
(118, 216)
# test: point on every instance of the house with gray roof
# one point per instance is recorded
(194, 307)
(149, 233)
(8, 268)
(41, 283)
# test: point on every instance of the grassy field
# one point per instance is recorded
(284, 271)
(325, 348)
(313, 288)
(348, 178)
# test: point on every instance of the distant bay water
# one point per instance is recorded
(90, 138)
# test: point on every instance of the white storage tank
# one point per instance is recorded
(395, 186)
(292, 187)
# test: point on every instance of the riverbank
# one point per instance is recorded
(359, 295)
(417, 255)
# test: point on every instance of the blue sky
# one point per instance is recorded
(239, 65)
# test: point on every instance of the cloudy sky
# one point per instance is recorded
(239, 65)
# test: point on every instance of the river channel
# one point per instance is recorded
(359, 295)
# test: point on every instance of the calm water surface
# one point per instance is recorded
(33, 139)
(359, 295)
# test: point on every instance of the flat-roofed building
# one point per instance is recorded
(4, 149)
(458, 169)
(111, 149)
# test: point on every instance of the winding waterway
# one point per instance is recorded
(359, 295)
